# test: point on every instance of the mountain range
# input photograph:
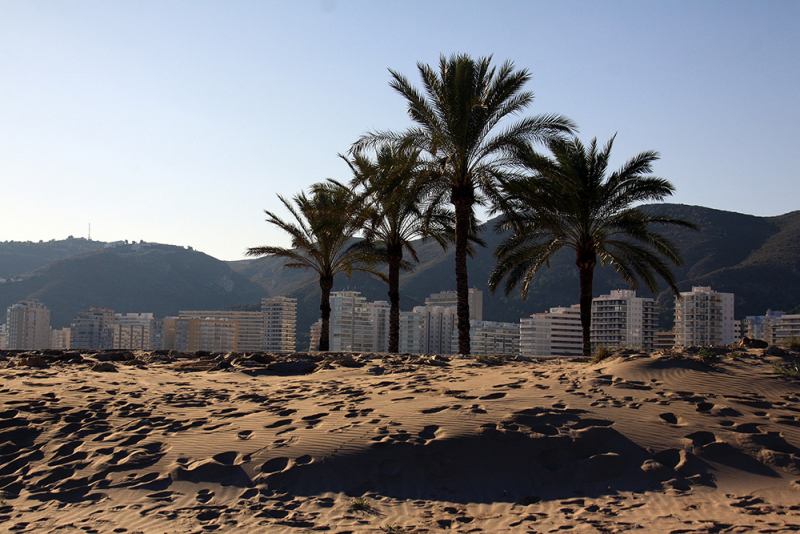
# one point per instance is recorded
(756, 258)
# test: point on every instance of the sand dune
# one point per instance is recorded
(371, 443)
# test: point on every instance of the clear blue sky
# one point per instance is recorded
(178, 122)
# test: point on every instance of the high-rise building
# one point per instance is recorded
(379, 318)
(3, 336)
(59, 339)
(447, 299)
(554, 333)
(754, 326)
(279, 315)
(621, 319)
(428, 330)
(350, 327)
(28, 326)
(413, 333)
(250, 326)
(783, 329)
(491, 338)
(132, 331)
(191, 334)
(93, 329)
(704, 317)
(664, 340)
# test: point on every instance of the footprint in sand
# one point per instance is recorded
(275, 465)
(279, 423)
(671, 418)
(493, 396)
(434, 410)
(429, 432)
(204, 495)
(704, 406)
(245, 434)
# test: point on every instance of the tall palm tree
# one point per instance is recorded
(457, 124)
(322, 231)
(569, 202)
(394, 200)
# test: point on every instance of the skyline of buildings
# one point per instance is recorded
(619, 319)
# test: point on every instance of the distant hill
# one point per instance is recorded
(756, 258)
(162, 279)
(20, 257)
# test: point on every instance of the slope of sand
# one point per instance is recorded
(376, 443)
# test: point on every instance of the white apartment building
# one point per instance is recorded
(249, 326)
(428, 329)
(132, 331)
(93, 329)
(491, 338)
(351, 328)
(379, 318)
(59, 339)
(755, 326)
(621, 319)
(783, 329)
(28, 326)
(191, 334)
(447, 299)
(279, 315)
(704, 317)
(554, 333)
(3, 335)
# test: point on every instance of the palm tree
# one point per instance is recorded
(322, 231)
(394, 203)
(569, 202)
(457, 124)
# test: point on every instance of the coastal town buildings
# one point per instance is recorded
(784, 329)
(279, 315)
(361, 326)
(351, 327)
(704, 317)
(93, 329)
(755, 326)
(428, 329)
(379, 318)
(28, 326)
(621, 319)
(553, 333)
(189, 334)
(491, 338)
(249, 326)
(664, 340)
(132, 331)
(449, 299)
(59, 338)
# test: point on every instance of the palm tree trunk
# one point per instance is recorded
(586, 260)
(325, 286)
(463, 207)
(395, 256)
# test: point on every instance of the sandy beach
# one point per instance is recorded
(377, 443)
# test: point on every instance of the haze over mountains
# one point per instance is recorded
(756, 258)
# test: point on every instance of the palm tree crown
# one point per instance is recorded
(569, 202)
(396, 214)
(321, 232)
(458, 126)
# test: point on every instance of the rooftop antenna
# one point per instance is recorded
(90, 231)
